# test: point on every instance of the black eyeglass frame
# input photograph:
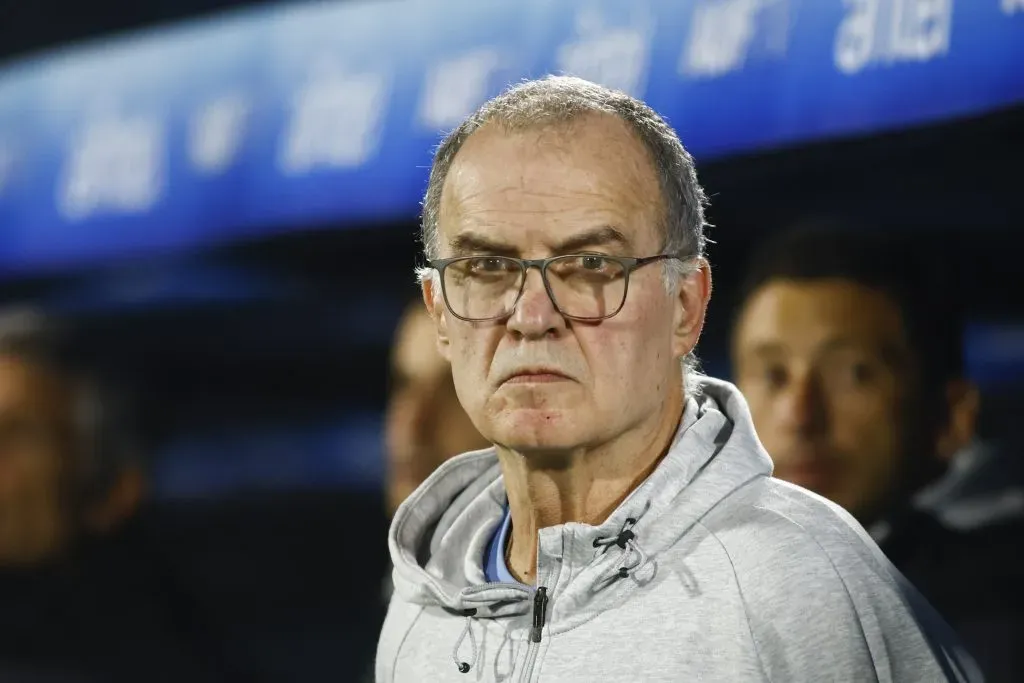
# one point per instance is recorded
(628, 263)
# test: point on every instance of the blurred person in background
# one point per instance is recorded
(81, 598)
(849, 351)
(983, 487)
(425, 423)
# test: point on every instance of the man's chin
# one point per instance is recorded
(530, 429)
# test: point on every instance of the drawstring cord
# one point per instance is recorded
(633, 559)
(463, 666)
(631, 550)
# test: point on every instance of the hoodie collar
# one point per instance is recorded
(441, 532)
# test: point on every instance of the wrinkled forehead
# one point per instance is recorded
(533, 190)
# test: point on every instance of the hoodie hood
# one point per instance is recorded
(439, 535)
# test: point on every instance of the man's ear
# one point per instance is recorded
(963, 403)
(435, 306)
(692, 295)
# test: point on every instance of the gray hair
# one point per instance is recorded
(555, 100)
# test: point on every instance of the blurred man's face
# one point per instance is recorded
(536, 381)
(35, 420)
(425, 423)
(823, 364)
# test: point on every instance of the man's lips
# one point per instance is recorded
(536, 376)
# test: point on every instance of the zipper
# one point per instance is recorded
(540, 608)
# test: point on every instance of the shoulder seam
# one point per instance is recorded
(743, 599)
(831, 563)
(401, 643)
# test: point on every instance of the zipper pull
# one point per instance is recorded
(540, 607)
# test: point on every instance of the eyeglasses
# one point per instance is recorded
(585, 287)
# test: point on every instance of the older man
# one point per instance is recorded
(625, 526)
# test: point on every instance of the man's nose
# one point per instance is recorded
(802, 407)
(535, 314)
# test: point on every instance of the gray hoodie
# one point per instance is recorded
(710, 570)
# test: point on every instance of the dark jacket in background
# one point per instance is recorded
(973, 578)
(107, 613)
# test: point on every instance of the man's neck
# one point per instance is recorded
(583, 485)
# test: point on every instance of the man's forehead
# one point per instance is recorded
(819, 314)
(510, 242)
(497, 155)
(517, 188)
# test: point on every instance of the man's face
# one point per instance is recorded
(34, 423)
(824, 366)
(425, 425)
(537, 381)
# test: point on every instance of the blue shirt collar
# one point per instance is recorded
(495, 569)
